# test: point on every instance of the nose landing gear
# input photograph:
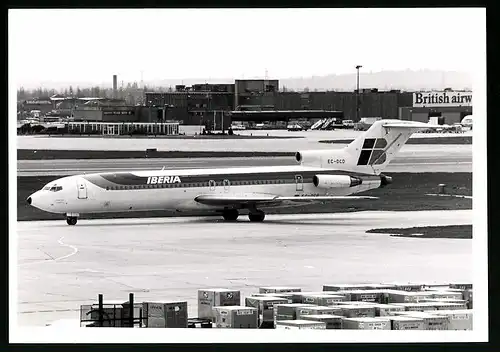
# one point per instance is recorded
(71, 219)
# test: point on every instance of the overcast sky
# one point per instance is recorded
(92, 45)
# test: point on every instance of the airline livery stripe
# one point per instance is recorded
(129, 179)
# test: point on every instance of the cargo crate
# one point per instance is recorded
(445, 300)
(406, 323)
(265, 308)
(278, 289)
(394, 296)
(458, 319)
(351, 287)
(300, 324)
(375, 296)
(432, 320)
(417, 307)
(298, 297)
(323, 300)
(166, 314)
(468, 298)
(288, 311)
(382, 310)
(356, 311)
(236, 317)
(366, 323)
(332, 321)
(447, 295)
(219, 297)
(300, 312)
(461, 286)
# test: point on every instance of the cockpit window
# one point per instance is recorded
(55, 188)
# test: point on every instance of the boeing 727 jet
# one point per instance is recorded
(320, 176)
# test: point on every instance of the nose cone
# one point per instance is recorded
(29, 200)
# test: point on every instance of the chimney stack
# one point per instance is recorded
(115, 83)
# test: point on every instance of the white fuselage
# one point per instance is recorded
(177, 189)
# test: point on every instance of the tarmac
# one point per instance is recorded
(62, 267)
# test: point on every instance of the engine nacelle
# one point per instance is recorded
(336, 181)
(317, 157)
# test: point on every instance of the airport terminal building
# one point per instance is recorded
(451, 106)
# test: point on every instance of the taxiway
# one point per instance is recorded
(404, 162)
(62, 267)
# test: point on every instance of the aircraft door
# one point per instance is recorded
(82, 189)
(226, 185)
(299, 183)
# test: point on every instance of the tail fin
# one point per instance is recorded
(372, 151)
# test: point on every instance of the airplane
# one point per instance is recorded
(321, 176)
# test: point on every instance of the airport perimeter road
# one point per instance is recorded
(61, 267)
(409, 163)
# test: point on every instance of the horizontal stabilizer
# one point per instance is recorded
(409, 124)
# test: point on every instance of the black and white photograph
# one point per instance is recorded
(248, 171)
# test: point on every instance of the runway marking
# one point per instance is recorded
(75, 250)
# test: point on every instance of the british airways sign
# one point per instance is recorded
(153, 180)
(441, 99)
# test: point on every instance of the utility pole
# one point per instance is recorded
(357, 94)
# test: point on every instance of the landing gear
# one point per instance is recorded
(257, 216)
(230, 214)
(71, 220)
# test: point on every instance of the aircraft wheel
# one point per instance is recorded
(71, 220)
(257, 217)
(230, 214)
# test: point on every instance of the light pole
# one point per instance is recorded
(357, 93)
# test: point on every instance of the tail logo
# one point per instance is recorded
(373, 151)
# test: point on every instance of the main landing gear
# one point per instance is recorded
(230, 214)
(254, 216)
(71, 219)
(257, 216)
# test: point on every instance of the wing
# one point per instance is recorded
(269, 200)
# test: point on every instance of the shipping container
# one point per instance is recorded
(366, 323)
(265, 308)
(288, 311)
(332, 321)
(406, 323)
(166, 314)
(219, 297)
(300, 324)
(394, 296)
(317, 310)
(382, 310)
(323, 300)
(278, 289)
(236, 317)
(458, 319)
(432, 320)
(356, 311)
